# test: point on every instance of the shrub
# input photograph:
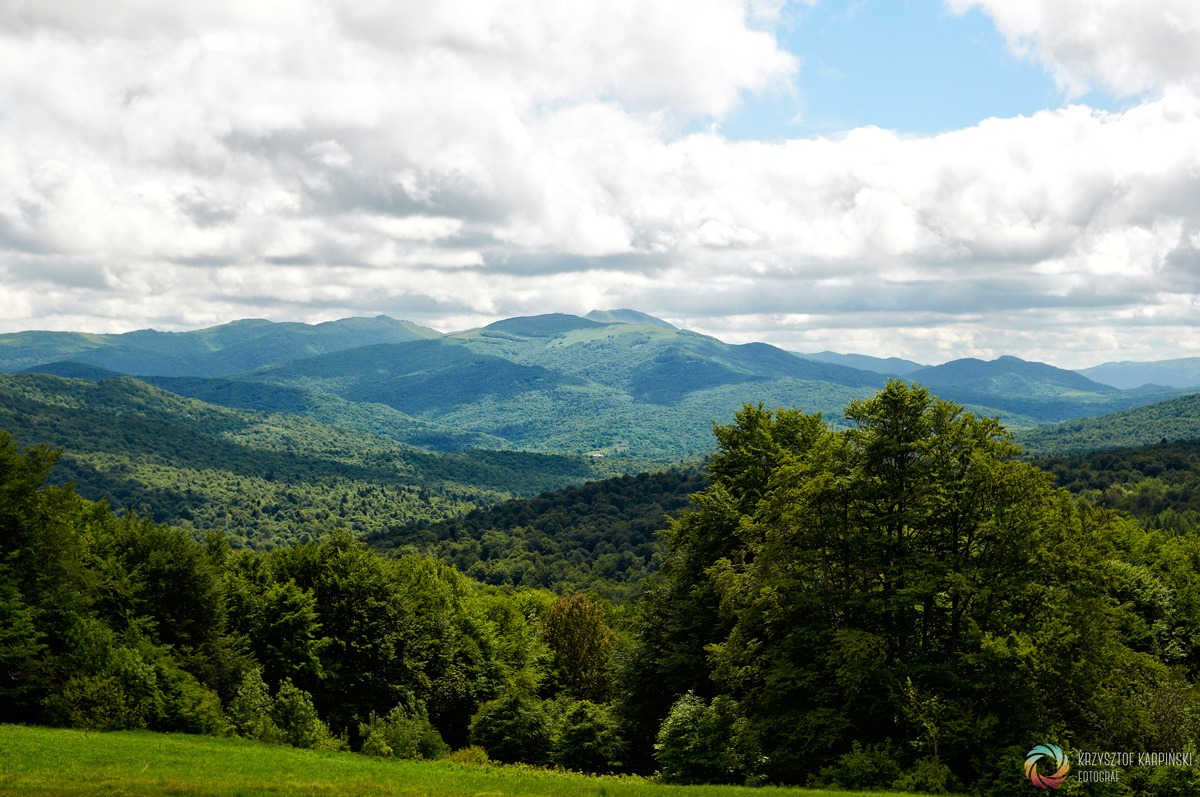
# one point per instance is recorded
(513, 728)
(93, 702)
(188, 705)
(474, 756)
(588, 739)
(873, 767)
(250, 709)
(294, 713)
(404, 733)
(702, 743)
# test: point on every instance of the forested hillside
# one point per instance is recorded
(263, 479)
(114, 622)
(899, 604)
(601, 537)
(1158, 484)
(893, 605)
(1173, 419)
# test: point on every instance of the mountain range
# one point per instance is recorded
(272, 431)
(613, 382)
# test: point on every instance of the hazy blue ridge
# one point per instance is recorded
(892, 366)
(1179, 373)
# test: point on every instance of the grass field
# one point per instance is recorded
(49, 761)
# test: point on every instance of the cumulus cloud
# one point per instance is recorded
(1123, 46)
(176, 164)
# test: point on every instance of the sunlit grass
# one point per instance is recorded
(68, 762)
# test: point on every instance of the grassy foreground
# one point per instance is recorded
(68, 762)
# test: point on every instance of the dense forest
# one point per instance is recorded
(901, 603)
(262, 479)
(1173, 419)
(600, 537)
(1157, 484)
(113, 622)
(603, 536)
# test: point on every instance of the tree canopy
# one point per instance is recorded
(909, 589)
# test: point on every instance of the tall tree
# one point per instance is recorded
(581, 643)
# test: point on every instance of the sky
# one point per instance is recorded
(929, 179)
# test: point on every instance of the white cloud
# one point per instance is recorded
(1124, 46)
(170, 164)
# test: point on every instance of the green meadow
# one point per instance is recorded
(54, 761)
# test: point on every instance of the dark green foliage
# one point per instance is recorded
(902, 603)
(909, 586)
(681, 615)
(284, 634)
(1157, 484)
(600, 536)
(112, 683)
(114, 622)
(700, 742)
(873, 767)
(514, 727)
(588, 739)
(250, 709)
(21, 655)
(294, 714)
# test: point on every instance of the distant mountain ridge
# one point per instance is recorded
(224, 350)
(1126, 375)
(614, 382)
(628, 317)
(1008, 375)
(894, 366)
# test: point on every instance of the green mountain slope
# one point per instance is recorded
(264, 478)
(651, 362)
(1173, 419)
(627, 316)
(1036, 390)
(414, 377)
(554, 383)
(217, 351)
(324, 407)
(1008, 376)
